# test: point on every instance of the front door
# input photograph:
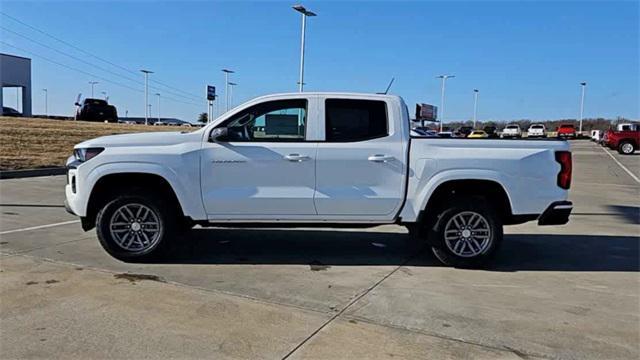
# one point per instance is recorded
(263, 168)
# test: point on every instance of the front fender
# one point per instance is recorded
(188, 196)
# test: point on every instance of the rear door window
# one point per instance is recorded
(349, 120)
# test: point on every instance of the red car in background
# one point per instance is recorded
(625, 141)
(567, 131)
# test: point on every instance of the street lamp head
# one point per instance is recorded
(301, 9)
(146, 71)
(445, 76)
(232, 83)
(157, 94)
(583, 83)
(476, 90)
(228, 71)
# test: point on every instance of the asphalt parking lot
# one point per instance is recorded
(569, 292)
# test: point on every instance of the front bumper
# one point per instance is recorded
(556, 214)
(68, 208)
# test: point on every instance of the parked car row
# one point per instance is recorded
(511, 131)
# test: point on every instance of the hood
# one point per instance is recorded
(141, 139)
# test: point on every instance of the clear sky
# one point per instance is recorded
(526, 58)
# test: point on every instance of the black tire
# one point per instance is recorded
(485, 251)
(626, 148)
(164, 213)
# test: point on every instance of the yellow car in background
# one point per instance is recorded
(478, 134)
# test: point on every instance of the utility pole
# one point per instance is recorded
(444, 80)
(146, 95)
(226, 87)
(158, 95)
(475, 107)
(46, 103)
(583, 85)
(92, 83)
(301, 9)
(231, 85)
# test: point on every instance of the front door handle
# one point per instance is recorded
(296, 157)
(380, 158)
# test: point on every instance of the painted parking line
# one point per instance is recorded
(39, 227)
(622, 166)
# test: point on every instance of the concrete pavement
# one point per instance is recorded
(555, 292)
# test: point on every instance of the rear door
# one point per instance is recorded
(361, 164)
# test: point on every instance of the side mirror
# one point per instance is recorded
(218, 134)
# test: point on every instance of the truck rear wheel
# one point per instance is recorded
(626, 148)
(467, 233)
(136, 227)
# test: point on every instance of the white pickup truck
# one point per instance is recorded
(316, 159)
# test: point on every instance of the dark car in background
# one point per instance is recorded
(463, 131)
(96, 110)
(491, 131)
(7, 111)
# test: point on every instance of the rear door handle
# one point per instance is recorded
(380, 158)
(296, 157)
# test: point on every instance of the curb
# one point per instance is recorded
(17, 174)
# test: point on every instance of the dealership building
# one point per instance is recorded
(15, 78)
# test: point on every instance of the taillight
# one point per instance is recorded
(564, 176)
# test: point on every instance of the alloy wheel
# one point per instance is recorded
(467, 234)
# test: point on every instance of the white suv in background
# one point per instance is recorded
(511, 131)
(536, 130)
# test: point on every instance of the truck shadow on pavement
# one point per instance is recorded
(321, 249)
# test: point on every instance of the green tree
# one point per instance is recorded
(203, 118)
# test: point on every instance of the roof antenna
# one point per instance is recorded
(388, 87)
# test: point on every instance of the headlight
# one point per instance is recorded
(86, 154)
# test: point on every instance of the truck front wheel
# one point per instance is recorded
(466, 233)
(136, 227)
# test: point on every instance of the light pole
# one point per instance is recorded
(158, 95)
(583, 85)
(46, 103)
(475, 106)
(231, 85)
(105, 94)
(92, 83)
(226, 87)
(146, 95)
(444, 80)
(301, 9)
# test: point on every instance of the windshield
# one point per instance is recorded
(512, 127)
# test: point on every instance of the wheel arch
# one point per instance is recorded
(490, 188)
(110, 185)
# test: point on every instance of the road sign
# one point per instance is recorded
(211, 92)
(426, 112)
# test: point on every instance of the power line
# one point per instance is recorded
(86, 62)
(92, 55)
(90, 74)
